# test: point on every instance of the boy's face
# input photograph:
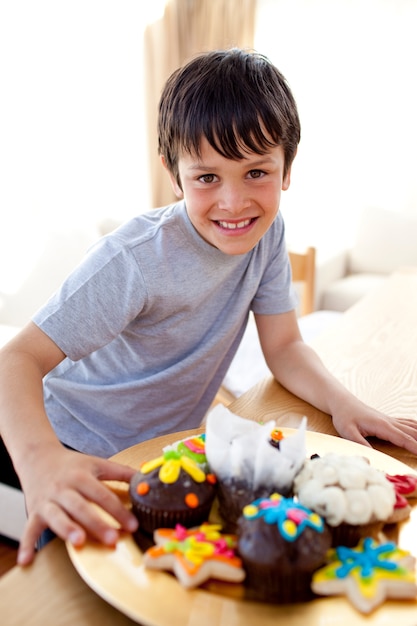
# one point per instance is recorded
(231, 203)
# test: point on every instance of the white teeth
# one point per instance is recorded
(233, 225)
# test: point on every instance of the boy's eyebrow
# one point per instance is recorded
(263, 160)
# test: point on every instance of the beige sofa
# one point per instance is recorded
(385, 240)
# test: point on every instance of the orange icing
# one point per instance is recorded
(191, 500)
(142, 488)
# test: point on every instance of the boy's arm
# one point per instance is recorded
(59, 485)
(299, 369)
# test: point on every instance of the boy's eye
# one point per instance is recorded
(207, 178)
(256, 173)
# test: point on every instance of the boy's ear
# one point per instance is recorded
(287, 178)
(175, 186)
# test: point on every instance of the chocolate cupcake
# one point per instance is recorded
(250, 460)
(233, 494)
(281, 544)
(171, 489)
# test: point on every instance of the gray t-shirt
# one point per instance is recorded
(150, 322)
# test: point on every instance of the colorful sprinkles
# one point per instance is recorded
(170, 464)
(197, 545)
(290, 517)
(275, 437)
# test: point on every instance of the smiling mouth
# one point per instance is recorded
(236, 225)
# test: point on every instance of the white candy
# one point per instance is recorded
(329, 502)
(344, 488)
(382, 504)
(358, 507)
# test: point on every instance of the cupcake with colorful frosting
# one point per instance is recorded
(171, 489)
(281, 543)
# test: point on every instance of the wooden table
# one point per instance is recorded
(372, 349)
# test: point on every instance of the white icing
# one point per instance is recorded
(345, 489)
(329, 502)
(382, 504)
(358, 506)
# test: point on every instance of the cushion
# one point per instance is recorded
(385, 241)
(345, 292)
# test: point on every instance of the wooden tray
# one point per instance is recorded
(154, 598)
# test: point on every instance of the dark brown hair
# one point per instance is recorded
(238, 100)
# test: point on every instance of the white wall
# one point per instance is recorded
(352, 67)
(72, 130)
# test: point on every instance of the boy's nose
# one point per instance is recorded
(233, 198)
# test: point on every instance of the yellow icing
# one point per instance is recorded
(315, 518)
(171, 464)
(367, 585)
(151, 465)
(197, 551)
(250, 510)
(289, 527)
(193, 469)
(212, 532)
(170, 471)
(275, 496)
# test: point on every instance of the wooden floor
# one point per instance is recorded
(8, 554)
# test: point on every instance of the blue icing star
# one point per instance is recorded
(370, 557)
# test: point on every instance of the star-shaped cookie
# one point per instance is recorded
(368, 574)
(195, 555)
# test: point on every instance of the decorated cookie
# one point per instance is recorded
(195, 555)
(368, 574)
(405, 486)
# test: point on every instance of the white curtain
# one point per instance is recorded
(186, 28)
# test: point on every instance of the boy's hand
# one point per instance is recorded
(61, 493)
(371, 423)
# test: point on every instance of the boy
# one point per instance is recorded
(139, 338)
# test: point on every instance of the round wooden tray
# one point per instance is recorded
(154, 598)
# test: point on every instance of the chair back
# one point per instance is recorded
(303, 268)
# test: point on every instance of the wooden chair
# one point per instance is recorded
(303, 269)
